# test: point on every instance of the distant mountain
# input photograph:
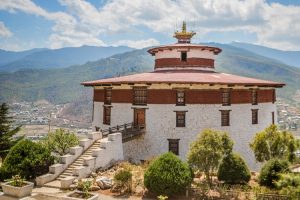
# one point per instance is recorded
(288, 57)
(10, 56)
(63, 85)
(57, 58)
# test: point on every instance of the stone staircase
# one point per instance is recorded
(79, 161)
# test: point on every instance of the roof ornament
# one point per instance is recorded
(184, 36)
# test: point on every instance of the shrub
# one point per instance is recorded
(123, 179)
(167, 175)
(28, 159)
(270, 172)
(289, 184)
(233, 170)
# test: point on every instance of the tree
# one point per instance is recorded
(167, 175)
(233, 170)
(6, 131)
(60, 140)
(270, 172)
(273, 143)
(207, 151)
(28, 159)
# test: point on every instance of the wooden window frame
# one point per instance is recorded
(140, 95)
(107, 96)
(180, 100)
(254, 116)
(226, 97)
(273, 96)
(254, 97)
(273, 117)
(225, 117)
(180, 122)
(183, 56)
(172, 148)
(106, 115)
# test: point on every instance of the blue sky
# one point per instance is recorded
(26, 24)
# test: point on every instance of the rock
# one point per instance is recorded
(139, 190)
(93, 174)
(72, 187)
(95, 188)
(104, 183)
(75, 181)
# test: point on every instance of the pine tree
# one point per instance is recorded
(6, 131)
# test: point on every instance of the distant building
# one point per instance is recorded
(180, 98)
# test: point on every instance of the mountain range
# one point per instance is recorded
(62, 84)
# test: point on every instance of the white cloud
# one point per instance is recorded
(137, 44)
(4, 31)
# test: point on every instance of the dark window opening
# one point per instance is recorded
(106, 115)
(254, 116)
(180, 119)
(184, 56)
(140, 96)
(273, 96)
(180, 98)
(174, 146)
(226, 97)
(107, 96)
(254, 97)
(273, 118)
(225, 117)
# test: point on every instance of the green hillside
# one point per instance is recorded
(63, 85)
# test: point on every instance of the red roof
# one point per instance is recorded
(185, 76)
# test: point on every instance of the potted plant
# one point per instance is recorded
(17, 187)
(85, 186)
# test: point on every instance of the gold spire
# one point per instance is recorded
(183, 36)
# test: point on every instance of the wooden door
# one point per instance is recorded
(139, 118)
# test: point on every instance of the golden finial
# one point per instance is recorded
(183, 36)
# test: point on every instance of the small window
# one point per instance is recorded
(140, 96)
(254, 97)
(180, 98)
(180, 119)
(183, 56)
(254, 116)
(174, 146)
(106, 115)
(273, 118)
(107, 96)
(225, 117)
(226, 97)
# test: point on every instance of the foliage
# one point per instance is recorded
(162, 197)
(60, 140)
(273, 143)
(6, 131)
(17, 181)
(123, 178)
(167, 175)
(289, 184)
(86, 187)
(233, 170)
(28, 159)
(270, 172)
(207, 151)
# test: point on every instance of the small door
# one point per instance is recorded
(139, 118)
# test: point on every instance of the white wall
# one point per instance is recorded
(192, 53)
(161, 125)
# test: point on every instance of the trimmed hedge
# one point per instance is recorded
(167, 175)
(270, 172)
(233, 170)
(28, 159)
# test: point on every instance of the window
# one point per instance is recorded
(273, 118)
(254, 116)
(174, 146)
(106, 115)
(180, 119)
(184, 56)
(274, 96)
(180, 98)
(107, 96)
(254, 97)
(140, 96)
(225, 117)
(226, 97)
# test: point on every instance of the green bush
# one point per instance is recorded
(28, 159)
(123, 179)
(233, 170)
(167, 175)
(270, 172)
(289, 184)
